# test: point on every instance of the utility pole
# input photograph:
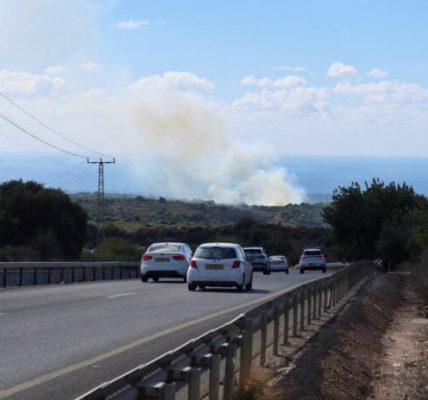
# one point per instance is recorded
(100, 199)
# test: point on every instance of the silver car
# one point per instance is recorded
(278, 263)
(258, 258)
(220, 264)
(165, 260)
(312, 259)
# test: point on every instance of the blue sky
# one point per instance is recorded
(184, 84)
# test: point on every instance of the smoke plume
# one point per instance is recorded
(190, 154)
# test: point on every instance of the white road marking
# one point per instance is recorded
(113, 296)
(94, 360)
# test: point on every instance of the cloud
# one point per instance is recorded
(287, 81)
(377, 73)
(55, 69)
(89, 67)
(28, 84)
(290, 68)
(131, 24)
(172, 80)
(339, 69)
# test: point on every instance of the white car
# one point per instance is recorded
(220, 264)
(278, 263)
(165, 260)
(312, 259)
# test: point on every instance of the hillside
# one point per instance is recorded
(130, 212)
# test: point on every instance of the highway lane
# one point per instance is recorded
(60, 341)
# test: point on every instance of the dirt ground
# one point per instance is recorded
(376, 348)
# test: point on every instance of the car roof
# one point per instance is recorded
(167, 243)
(313, 249)
(253, 248)
(219, 244)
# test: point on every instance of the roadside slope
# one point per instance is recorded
(360, 354)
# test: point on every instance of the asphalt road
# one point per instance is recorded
(58, 342)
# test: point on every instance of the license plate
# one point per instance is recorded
(162, 259)
(215, 266)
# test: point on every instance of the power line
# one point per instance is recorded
(8, 120)
(50, 128)
(29, 148)
(65, 173)
(81, 175)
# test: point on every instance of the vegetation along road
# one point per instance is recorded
(61, 341)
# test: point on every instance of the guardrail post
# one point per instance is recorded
(112, 272)
(49, 275)
(194, 384)
(263, 334)
(286, 322)
(61, 278)
(167, 392)
(276, 316)
(295, 302)
(246, 352)
(315, 298)
(229, 372)
(214, 381)
(309, 304)
(83, 274)
(94, 273)
(103, 273)
(302, 310)
(325, 297)
(319, 300)
(20, 276)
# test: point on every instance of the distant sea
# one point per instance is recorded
(317, 175)
(320, 175)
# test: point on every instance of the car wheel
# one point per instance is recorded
(249, 285)
(192, 287)
(143, 278)
(266, 271)
(302, 271)
(240, 287)
(324, 270)
(185, 279)
(286, 271)
(202, 287)
(155, 279)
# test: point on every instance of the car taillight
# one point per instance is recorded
(179, 257)
(322, 257)
(193, 264)
(302, 258)
(236, 264)
(146, 257)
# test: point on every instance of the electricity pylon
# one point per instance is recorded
(100, 199)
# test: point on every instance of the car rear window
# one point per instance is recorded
(312, 253)
(252, 251)
(164, 248)
(215, 252)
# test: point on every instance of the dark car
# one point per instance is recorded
(258, 258)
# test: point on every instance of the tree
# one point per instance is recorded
(43, 219)
(380, 220)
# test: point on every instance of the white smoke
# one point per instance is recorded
(191, 155)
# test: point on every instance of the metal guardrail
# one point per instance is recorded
(213, 365)
(37, 273)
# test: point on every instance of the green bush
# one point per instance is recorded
(117, 249)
